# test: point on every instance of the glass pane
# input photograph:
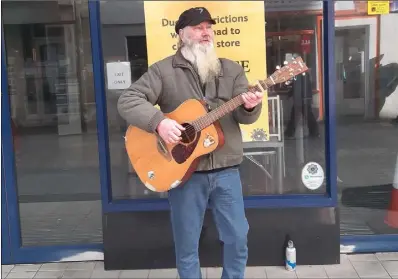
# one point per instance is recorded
(53, 119)
(279, 146)
(367, 119)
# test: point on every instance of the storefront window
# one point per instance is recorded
(284, 150)
(50, 86)
(367, 118)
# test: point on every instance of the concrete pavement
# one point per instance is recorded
(380, 265)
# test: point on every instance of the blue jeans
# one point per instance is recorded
(188, 204)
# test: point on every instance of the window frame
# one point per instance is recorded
(327, 199)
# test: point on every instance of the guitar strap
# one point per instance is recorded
(217, 83)
(217, 80)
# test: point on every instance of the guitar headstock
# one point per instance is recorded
(291, 69)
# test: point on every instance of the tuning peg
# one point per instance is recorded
(278, 67)
(285, 62)
(303, 74)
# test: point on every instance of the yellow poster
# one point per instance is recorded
(239, 36)
(378, 7)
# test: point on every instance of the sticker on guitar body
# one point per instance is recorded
(209, 140)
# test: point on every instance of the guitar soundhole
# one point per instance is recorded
(183, 150)
(188, 136)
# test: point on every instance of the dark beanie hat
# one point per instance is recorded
(192, 17)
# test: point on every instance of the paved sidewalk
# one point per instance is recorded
(379, 265)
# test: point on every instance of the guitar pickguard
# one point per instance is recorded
(182, 152)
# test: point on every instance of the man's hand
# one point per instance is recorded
(252, 99)
(170, 131)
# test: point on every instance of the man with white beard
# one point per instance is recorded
(201, 53)
(195, 72)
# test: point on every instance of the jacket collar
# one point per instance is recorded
(180, 61)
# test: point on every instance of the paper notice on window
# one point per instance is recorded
(378, 7)
(118, 75)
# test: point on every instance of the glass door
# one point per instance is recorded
(366, 88)
(51, 161)
(350, 80)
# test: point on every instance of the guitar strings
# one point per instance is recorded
(191, 131)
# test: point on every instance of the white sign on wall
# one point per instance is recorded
(118, 75)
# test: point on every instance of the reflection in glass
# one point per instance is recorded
(367, 122)
(271, 167)
(53, 122)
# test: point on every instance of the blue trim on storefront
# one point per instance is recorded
(39, 254)
(6, 257)
(58, 253)
(276, 201)
(369, 243)
(330, 102)
(5, 234)
(100, 101)
(110, 205)
(8, 167)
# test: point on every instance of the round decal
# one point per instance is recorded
(312, 175)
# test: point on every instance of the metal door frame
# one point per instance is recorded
(328, 199)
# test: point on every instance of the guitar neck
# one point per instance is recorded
(212, 116)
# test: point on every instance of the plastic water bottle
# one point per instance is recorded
(290, 256)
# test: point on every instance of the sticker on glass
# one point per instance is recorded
(312, 175)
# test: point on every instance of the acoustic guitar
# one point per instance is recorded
(161, 166)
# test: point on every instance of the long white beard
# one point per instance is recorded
(204, 58)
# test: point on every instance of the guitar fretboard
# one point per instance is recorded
(212, 116)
